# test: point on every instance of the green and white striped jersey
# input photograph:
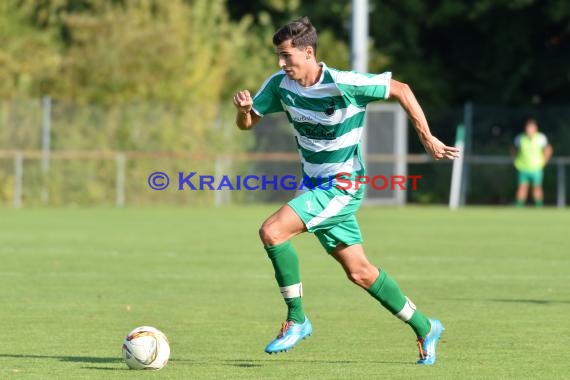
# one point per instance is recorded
(327, 117)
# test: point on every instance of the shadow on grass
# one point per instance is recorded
(74, 359)
(81, 359)
(531, 301)
(244, 363)
(240, 363)
(512, 300)
(107, 368)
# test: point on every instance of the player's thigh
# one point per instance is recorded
(524, 178)
(536, 178)
(344, 234)
(281, 226)
(322, 209)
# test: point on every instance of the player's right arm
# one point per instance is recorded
(245, 117)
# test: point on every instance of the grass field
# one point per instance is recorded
(73, 282)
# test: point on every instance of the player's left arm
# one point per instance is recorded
(408, 101)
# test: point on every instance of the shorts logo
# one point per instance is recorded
(309, 207)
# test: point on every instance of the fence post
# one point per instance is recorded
(466, 151)
(46, 131)
(18, 176)
(221, 196)
(457, 171)
(561, 193)
(120, 183)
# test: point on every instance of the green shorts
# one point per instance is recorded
(329, 214)
(532, 176)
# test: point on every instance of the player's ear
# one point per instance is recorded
(309, 52)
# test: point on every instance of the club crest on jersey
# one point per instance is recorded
(329, 111)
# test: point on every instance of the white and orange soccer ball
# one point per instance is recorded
(146, 347)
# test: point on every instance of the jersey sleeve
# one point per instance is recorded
(364, 88)
(267, 100)
(517, 141)
(543, 141)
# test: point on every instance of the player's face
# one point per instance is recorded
(531, 128)
(292, 60)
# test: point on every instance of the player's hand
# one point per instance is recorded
(439, 150)
(243, 101)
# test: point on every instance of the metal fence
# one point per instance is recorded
(62, 154)
(121, 186)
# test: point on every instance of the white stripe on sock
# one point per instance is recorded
(292, 291)
(407, 311)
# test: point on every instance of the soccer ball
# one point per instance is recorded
(146, 348)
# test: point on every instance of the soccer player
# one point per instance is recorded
(326, 108)
(531, 152)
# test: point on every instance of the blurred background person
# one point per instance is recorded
(531, 152)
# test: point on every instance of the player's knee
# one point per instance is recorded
(269, 234)
(361, 277)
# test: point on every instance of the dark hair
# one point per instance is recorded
(530, 120)
(300, 31)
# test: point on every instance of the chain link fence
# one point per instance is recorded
(62, 154)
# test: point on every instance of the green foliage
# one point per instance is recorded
(508, 52)
(253, 59)
(29, 57)
(167, 52)
(335, 53)
(109, 51)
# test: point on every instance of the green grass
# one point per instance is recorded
(73, 282)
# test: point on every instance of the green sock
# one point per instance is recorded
(538, 202)
(519, 203)
(389, 294)
(286, 265)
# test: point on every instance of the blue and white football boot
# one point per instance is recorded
(428, 343)
(289, 335)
